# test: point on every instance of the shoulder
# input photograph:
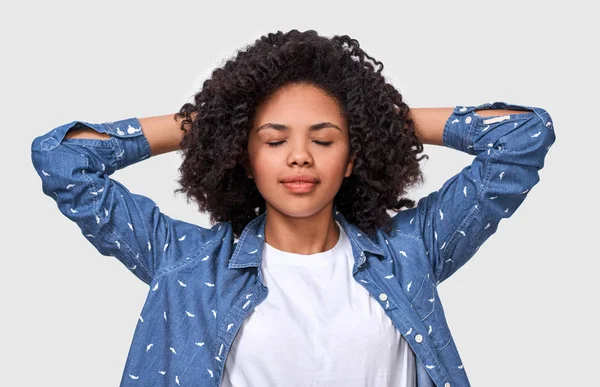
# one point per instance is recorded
(211, 241)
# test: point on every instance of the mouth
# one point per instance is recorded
(299, 186)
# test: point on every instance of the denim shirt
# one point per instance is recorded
(204, 282)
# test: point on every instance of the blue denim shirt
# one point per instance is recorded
(203, 282)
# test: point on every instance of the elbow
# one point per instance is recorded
(545, 134)
(36, 154)
(545, 128)
(532, 141)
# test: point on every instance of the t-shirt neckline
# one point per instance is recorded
(274, 256)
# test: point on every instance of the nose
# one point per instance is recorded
(300, 154)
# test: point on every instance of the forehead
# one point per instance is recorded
(300, 105)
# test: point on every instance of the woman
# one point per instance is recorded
(297, 148)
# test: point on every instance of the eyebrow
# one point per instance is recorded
(281, 127)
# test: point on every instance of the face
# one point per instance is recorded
(299, 130)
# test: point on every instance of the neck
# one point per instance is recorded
(301, 235)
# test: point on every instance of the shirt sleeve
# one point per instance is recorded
(509, 151)
(75, 172)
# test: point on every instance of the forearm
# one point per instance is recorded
(163, 133)
(430, 122)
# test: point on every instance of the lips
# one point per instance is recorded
(300, 179)
(300, 187)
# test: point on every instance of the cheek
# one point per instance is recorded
(264, 168)
(335, 165)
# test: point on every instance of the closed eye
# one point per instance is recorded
(322, 143)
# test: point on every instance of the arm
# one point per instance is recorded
(164, 133)
(509, 151)
(430, 122)
(75, 162)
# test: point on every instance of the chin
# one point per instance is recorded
(296, 209)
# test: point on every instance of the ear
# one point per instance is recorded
(247, 169)
(350, 166)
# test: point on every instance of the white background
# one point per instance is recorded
(523, 311)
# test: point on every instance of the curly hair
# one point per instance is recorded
(382, 134)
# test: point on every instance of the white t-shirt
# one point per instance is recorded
(317, 327)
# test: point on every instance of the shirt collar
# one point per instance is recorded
(249, 248)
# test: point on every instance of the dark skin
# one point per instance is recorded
(296, 223)
(300, 223)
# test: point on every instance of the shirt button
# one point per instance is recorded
(447, 385)
(418, 338)
(383, 297)
(468, 121)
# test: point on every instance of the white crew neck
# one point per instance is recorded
(274, 257)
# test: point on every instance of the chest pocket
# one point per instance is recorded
(429, 308)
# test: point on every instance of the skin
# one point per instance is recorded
(299, 223)
(296, 223)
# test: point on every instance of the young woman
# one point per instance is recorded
(297, 148)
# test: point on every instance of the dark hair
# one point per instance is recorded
(382, 135)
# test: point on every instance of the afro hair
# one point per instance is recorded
(382, 134)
